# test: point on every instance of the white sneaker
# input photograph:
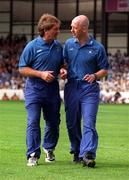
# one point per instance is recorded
(50, 157)
(32, 161)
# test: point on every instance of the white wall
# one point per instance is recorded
(11, 92)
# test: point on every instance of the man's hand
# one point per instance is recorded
(63, 73)
(47, 76)
(89, 78)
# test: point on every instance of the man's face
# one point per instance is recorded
(76, 29)
(53, 32)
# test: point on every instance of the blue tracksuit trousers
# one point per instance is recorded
(42, 96)
(81, 101)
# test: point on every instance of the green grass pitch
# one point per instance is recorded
(112, 162)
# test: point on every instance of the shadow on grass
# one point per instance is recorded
(99, 165)
(113, 165)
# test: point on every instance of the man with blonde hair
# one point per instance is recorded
(40, 62)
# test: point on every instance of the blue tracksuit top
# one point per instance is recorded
(42, 56)
(86, 59)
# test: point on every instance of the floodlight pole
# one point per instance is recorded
(128, 35)
(77, 7)
(104, 25)
(95, 18)
(11, 21)
(32, 18)
(56, 8)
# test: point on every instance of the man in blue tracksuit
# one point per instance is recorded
(41, 61)
(86, 63)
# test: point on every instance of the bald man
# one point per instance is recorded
(86, 63)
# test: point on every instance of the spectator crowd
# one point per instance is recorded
(9, 57)
(114, 88)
